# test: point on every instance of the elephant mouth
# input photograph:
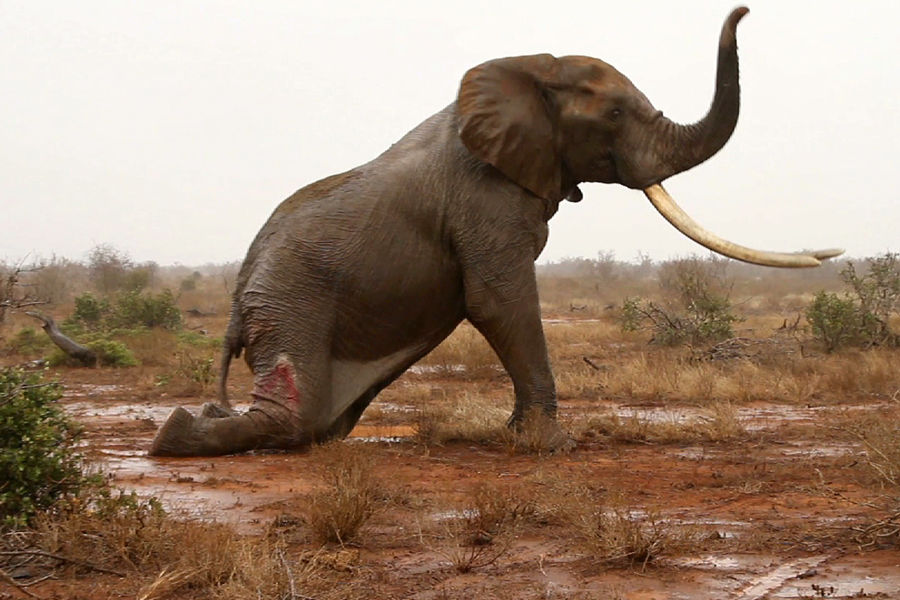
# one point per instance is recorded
(674, 214)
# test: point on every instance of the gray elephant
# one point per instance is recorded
(356, 277)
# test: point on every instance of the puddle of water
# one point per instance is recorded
(90, 390)
(382, 433)
(655, 414)
(436, 369)
(391, 407)
(762, 585)
(447, 515)
(137, 411)
(565, 321)
(807, 450)
(710, 561)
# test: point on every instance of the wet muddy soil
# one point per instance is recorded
(776, 508)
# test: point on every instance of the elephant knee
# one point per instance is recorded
(279, 386)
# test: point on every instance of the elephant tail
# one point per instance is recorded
(231, 348)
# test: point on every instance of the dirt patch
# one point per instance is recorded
(770, 511)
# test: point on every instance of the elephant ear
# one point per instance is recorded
(505, 119)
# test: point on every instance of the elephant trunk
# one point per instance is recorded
(681, 147)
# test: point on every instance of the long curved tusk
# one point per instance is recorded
(673, 213)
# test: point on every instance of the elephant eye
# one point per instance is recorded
(614, 114)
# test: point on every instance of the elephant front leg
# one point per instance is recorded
(505, 309)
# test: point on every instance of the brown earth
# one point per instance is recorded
(775, 511)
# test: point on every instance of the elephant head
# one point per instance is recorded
(551, 123)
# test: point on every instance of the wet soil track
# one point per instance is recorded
(779, 503)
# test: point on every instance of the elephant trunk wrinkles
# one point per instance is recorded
(681, 147)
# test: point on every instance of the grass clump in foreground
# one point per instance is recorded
(879, 435)
(62, 521)
(480, 529)
(337, 513)
(616, 536)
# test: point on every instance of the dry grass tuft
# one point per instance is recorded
(167, 558)
(465, 352)
(337, 513)
(480, 530)
(616, 536)
(466, 417)
(719, 424)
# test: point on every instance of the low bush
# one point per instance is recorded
(39, 460)
(337, 513)
(110, 353)
(862, 316)
(698, 310)
(28, 342)
(128, 310)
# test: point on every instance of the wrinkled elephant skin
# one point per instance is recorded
(356, 277)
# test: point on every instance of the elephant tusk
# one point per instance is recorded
(673, 213)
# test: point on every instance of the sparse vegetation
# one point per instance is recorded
(40, 464)
(861, 317)
(480, 530)
(684, 453)
(337, 513)
(616, 536)
(698, 309)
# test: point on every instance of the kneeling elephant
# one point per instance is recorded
(356, 277)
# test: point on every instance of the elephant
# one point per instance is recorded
(357, 276)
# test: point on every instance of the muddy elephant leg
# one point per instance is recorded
(186, 435)
(510, 320)
(283, 415)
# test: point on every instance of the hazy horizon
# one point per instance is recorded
(171, 130)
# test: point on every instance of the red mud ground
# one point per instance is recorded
(781, 503)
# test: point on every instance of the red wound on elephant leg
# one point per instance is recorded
(279, 385)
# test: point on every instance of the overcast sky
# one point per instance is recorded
(172, 129)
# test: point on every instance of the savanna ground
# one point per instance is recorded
(758, 467)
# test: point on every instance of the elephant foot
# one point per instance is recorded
(171, 439)
(211, 410)
(539, 432)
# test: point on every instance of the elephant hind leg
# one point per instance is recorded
(186, 435)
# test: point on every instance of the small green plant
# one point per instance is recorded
(337, 513)
(39, 461)
(861, 317)
(136, 309)
(28, 342)
(199, 370)
(110, 353)
(699, 310)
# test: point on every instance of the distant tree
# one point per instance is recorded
(108, 268)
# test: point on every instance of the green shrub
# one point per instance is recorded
(39, 461)
(28, 342)
(110, 353)
(129, 310)
(836, 321)
(90, 311)
(134, 309)
(862, 316)
(698, 310)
